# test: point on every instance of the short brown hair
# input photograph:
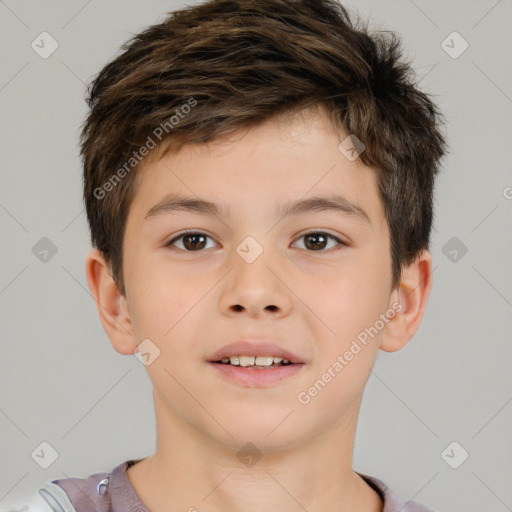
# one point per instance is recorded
(223, 65)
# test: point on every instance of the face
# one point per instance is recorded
(310, 280)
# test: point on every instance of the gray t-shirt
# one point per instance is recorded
(113, 492)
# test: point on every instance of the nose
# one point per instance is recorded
(257, 287)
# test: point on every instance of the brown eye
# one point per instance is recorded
(195, 241)
(192, 241)
(317, 240)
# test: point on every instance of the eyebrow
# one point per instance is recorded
(334, 202)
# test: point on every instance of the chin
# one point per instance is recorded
(268, 432)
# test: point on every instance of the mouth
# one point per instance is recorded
(254, 353)
(256, 372)
(255, 362)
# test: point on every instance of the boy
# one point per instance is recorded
(258, 178)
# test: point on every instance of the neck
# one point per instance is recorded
(189, 471)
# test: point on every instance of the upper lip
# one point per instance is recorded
(254, 348)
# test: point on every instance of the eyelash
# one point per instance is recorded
(181, 235)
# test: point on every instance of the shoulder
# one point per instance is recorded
(77, 494)
(72, 494)
(34, 503)
(392, 502)
(49, 498)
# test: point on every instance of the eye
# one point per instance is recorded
(316, 240)
(193, 241)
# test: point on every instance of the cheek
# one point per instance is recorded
(346, 351)
(350, 308)
(337, 389)
(160, 302)
(351, 301)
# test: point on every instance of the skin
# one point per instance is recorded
(184, 303)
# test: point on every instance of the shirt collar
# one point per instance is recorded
(124, 497)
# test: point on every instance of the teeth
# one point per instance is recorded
(254, 361)
(264, 360)
(246, 360)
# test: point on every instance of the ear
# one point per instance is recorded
(111, 305)
(412, 294)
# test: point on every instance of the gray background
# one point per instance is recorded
(61, 380)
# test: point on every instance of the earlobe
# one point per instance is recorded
(111, 305)
(412, 294)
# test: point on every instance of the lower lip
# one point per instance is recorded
(256, 377)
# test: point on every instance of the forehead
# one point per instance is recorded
(279, 165)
